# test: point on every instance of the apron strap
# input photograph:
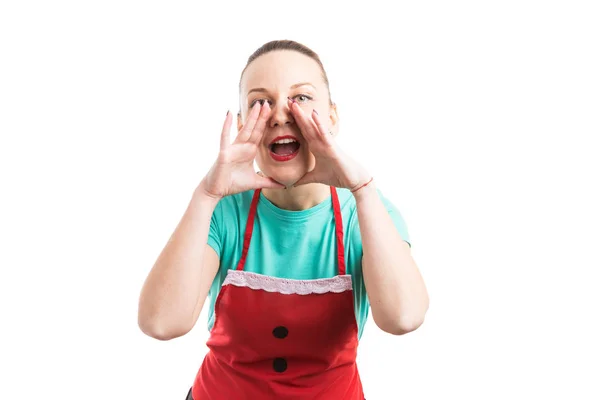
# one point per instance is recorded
(339, 230)
(249, 228)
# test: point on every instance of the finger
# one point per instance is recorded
(309, 177)
(225, 140)
(249, 125)
(320, 128)
(261, 124)
(267, 183)
(308, 131)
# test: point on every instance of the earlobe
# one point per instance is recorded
(334, 117)
(239, 122)
(333, 114)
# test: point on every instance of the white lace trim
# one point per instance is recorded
(337, 284)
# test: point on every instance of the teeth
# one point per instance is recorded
(283, 141)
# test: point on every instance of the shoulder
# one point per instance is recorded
(348, 202)
(229, 215)
(348, 205)
(237, 200)
(234, 205)
(347, 198)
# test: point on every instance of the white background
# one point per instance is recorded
(479, 120)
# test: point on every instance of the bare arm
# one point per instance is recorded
(176, 287)
(396, 290)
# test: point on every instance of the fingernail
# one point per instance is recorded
(227, 113)
(315, 111)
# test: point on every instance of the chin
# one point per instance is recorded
(287, 173)
(284, 175)
(285, 179)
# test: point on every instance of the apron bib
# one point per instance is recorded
(276, 338)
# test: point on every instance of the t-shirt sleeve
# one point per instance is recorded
(214, 232)
(396, 216)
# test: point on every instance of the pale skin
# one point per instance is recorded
(289, 98)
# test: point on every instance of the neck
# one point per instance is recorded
(298, 198)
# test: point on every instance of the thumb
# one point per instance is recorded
(265, 182)
(270, 183)
(309, 177)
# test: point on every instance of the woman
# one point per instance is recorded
(291, 252)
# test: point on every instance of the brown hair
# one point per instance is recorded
(291, 46)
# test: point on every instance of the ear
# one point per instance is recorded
(240, 124)
(334, 118)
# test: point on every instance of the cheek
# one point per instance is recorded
(310, 159)
(260, 158)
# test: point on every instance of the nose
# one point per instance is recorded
(281, 114)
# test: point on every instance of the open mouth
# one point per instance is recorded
(284, 149)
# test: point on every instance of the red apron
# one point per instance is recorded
(276, 338)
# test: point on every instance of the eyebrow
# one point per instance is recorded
(291, 87)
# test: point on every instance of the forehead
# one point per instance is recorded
(280, 70)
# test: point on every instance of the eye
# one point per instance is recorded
(301, 98)
(261, 101)
(307, 97)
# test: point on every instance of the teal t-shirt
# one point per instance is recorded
(292, 244)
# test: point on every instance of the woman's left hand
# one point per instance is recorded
(332, 166)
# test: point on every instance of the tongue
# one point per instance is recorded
(286, 148)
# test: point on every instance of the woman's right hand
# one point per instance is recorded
(233, 171)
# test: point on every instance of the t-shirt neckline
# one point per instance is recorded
(295, 215)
